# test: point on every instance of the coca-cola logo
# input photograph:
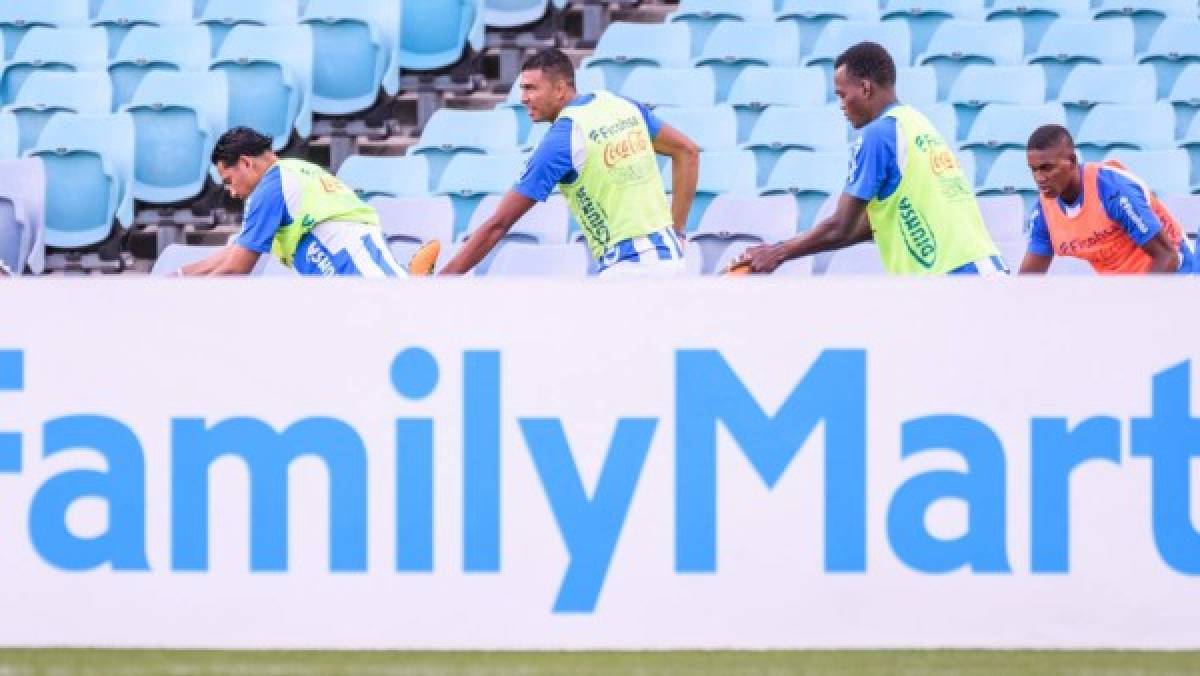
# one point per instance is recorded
(633, 143)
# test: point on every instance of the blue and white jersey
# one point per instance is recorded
(876, 160)
(562, 153)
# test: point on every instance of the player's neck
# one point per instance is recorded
(886, 101)
(1070, 194)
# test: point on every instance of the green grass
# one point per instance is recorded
(54, 662)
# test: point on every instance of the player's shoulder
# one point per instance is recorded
(1114, 181)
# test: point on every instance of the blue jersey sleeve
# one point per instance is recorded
(1040, 243)
(550, 164)
(1126, 202)
(653, 123)
(875, 167)
(266, 213)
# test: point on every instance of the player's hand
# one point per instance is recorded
(762, 259)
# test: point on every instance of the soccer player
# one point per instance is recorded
(296, 211)
(601, 151)
(1098, 212)
(905, 190)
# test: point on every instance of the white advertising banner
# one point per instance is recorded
(282, 463)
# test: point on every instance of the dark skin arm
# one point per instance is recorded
(847, 226)
(512, 207)
(1033, 264)
(685, 172)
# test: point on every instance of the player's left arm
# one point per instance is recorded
(685, 172)
(510, 210)
(1128, 203)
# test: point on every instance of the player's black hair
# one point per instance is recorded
(553, 63)
(237, 143)
(1050, 136)
(869, 61)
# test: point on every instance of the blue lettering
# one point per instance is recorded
(481, 462)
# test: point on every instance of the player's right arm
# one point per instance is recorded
(510, 210)
(1040, 252)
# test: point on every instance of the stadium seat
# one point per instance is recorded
(516, 13)
(450, 132)
(783, 130)
(546, 223)
(89, 174)
(917, 86)
(841, 35)
(1175, 45)
(355, 43)
(702, 16)
(17, 17)
(149, 49)
(22, 214)
(810, 178)
(469, 177)
(1186, 210)
(1009, 175)
(1185, 98)
(49, 93)
(177, 120)
(1035, 16)
(1004, 215)
(409, 222)
(372, 176)
(671, 87)
(859, 259)
(1091, 84)
(926, 17)
(1108, 126)
(720, 173)
(118, 17)
(957, 44)
(551, 260)
(435, 33)
(711, 127)
(758, 87)
(1069, 43)
(1147, 16)
(742, 218)
(812, 17)
(628, 46)
(1164, 171)
(980, 85)
(50, 49)
(1190, 141)
(944, 120)
(222, 16)
(10, 147)
(1003, 126)
(734, 45)
(270, 79)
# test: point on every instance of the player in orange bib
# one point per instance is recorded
(1099, 212)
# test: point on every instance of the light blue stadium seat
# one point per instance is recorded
(546, 223)
(371, 176)
(703, 16)
(733, 218)
(1185, 97)
(782, 130)
(1147, 15)
(435, 33)
(148, 49)
(1190, 141)
(118, 17)
(1009, 175)
(1119, 125)
(810, 178)
(222, 16)
(355, 43)
(17, 17)
(1004, 216)
(712, 128)
(671, 87)
(812, 17)
(1186, 210)
(177, 119)
(841, 35)
(515, 13)
(720, 173)
(1091, 84)
(1175, 45)
(10, 147)
(957, 44)
(1035, 16)
(89, 172)
(1166, 172)
(552, 260)
(944, 119)
(859, 259)
(22, 214)
(270, 79)
(980, 85)
(1002, 127)
(409, 222)
(625, 47)
(49, 93)
(49, 49)
(469, 177)
(925, 17)
(917, 85)
(758, 87)
(1067, 44)
(452, 132)
(734, 45)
